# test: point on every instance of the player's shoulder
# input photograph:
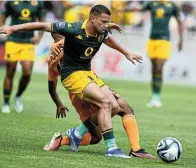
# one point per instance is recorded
(77, 25)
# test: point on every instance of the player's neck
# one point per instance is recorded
(90, 31)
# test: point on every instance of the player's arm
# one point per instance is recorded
(180, 26)
(62, 28)
(129, 55)
(52, 84)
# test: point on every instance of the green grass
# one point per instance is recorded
(22, 136)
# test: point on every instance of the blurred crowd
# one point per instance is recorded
(75, 10)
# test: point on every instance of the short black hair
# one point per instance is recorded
(99, 9)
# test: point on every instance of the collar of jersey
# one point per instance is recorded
(84, 27)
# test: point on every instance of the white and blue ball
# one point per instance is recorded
(169, 149)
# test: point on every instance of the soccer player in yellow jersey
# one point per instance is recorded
(19, 47)
(159, 44)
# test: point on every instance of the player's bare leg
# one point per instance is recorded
(94, 95)
(157, 75)
(27, 67)
(7, 85)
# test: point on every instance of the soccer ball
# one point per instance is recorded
(169, 149)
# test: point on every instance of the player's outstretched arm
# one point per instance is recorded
(52, 84)
(42, 26)
(129, 55)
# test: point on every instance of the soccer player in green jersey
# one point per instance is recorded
(83, 41)
(159, 43)
(19, 47)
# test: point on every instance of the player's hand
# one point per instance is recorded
(114, 26)
(36, 39)
(6, 30)
(133, 57)
(180, 45)
(61, 111)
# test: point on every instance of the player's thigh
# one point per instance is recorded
(82, 108)
(27, 52)
(95, 95)
(27, 67)
(12, 52)
(83, 86)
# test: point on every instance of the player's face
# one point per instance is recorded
(101, 22)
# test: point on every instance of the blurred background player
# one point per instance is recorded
(20, 47)
(159, 44)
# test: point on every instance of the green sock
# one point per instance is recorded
(108, 137)
(81, 130)
(157, 83)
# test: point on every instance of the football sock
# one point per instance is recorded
(24, 80)
(80, 130)
(89, 124)
(131, 128)
(6, 94)
(108, 137)
(156, 85)
(86, 139)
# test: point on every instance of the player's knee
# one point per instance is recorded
(115, 108)
(105, 103)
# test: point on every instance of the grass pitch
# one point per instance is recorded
(22, 136)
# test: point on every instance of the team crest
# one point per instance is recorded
(100, 37)
(160, 13)
(69, 25)
(79, 37)
(25, 13)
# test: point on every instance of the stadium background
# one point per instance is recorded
(136, 26)
(22, 136)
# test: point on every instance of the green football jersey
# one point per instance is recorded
(161, 13)
(23, 12)
(79, 48)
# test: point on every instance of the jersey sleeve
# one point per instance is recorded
(146, 6)
(6, 10)
(40, 11)
(63, 28)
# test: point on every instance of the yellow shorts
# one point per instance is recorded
(159, 49)
(19, 52)
(77, 81)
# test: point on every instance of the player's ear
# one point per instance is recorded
(92, 18)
